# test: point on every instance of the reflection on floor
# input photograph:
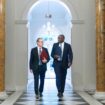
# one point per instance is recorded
(50, 96)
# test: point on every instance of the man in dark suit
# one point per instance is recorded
(63, 56)
(38, 59)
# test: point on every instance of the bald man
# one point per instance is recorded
(63, 56)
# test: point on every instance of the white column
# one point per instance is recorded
(77, 46)
(21, 54)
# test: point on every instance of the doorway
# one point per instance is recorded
(48, 19)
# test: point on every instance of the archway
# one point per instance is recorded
(48, 19)
(83, 44)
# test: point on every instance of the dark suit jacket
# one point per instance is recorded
(67, 54)
(34, 59)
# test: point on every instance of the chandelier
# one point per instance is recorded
(48, 17)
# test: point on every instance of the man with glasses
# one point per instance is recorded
(38, 59)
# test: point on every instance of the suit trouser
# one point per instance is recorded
(40, 75)
(60, 76)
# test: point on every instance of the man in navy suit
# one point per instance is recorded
(63, 56)
(38, 59)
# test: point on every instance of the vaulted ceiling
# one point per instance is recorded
(54, 7)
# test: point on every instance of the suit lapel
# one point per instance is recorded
(42, 48)
(57, 44)
(36, 52)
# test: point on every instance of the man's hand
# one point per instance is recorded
(44, 60)
(69, 64)
(31, 70)
(56, 56)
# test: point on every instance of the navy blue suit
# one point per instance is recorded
(60, 67)
(38, 70)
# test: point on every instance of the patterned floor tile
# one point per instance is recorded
(50, 96)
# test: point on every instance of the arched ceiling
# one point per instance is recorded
(56, 8)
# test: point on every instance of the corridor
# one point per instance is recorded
(50, 96)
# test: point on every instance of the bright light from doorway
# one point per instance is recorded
(49, 28)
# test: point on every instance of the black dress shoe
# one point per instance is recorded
(60, 95)
(37, 97)
(41, 95)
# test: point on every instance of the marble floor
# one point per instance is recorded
(50, 96)
(100, 100)
(9, 93)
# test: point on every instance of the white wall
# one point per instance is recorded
(16, 50)
(83, 43)
(10, 47)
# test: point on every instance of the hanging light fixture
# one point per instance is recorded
(48, 15)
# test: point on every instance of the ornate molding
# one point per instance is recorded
(77, 21)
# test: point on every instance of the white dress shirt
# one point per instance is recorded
(40, 63)
(62, 47)
(39, 50)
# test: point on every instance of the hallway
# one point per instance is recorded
(83, 24)
(50, 96)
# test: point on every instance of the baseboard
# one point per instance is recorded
(3, 95)
(99, 95)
